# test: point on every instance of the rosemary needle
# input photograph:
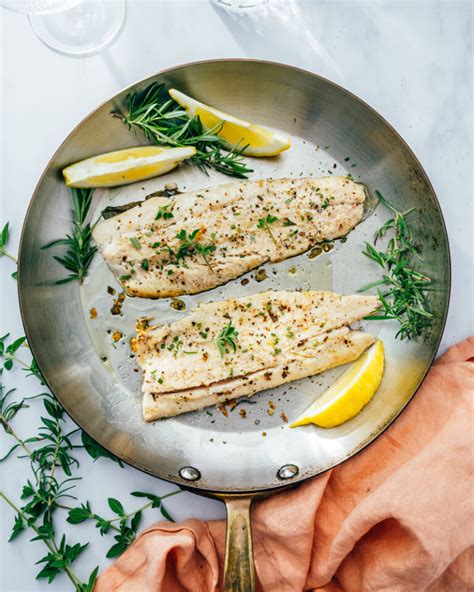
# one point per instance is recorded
(402, 289)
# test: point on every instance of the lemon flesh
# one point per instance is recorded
(260, 141)
(348, 395)
(125, 166)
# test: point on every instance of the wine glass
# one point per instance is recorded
(75, 28)
(242, 6)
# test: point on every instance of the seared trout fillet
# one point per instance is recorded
(278, 337)
(236, 227)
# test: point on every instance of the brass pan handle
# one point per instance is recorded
(239, 571)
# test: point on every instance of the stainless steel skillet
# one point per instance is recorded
(231, 457)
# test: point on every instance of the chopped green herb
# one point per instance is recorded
(164, 213)
(227, 337)
(326, 201)
(288, 222)
(145, 264)
(265, 224)
(135, 242)
(124, 278)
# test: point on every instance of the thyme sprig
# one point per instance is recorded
(226, 340)
(402, 289)
(80, 249)
(163, 121)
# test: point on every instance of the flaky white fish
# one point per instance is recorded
(224, 350)
(199, 240)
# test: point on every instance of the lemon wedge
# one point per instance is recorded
(125, 166)
(348, 395)
(260, 141)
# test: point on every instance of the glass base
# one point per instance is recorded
(84, 29)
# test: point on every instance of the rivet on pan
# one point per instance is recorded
(189, 473)
(287, 471)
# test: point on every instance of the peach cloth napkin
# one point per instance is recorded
(397, 517)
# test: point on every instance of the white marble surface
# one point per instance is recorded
(412, 61)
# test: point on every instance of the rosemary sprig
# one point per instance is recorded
(226, 340)
(163, 121)
(79, 247)
(402, 289)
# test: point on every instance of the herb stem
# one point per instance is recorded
(9, 429)
(9, 255)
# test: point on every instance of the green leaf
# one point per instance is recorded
(115, 550)
(27, 491)
(18, 527)
(80, 514)
(116, 506)
(102, 524)
(95, 450)
(89, 587)
(12, 348)
(165, 513)
(135, 242)
(4, 235)
(136, 521)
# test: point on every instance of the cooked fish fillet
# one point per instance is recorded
(281, 336)
(242, 225)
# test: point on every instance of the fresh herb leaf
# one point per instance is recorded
(164, 213)
(4, 236)
(135, 242)
(226, 340)
(80, 514)
(95, 450)
(265, 224)
(116, 506)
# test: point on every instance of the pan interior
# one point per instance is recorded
(96, 378)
